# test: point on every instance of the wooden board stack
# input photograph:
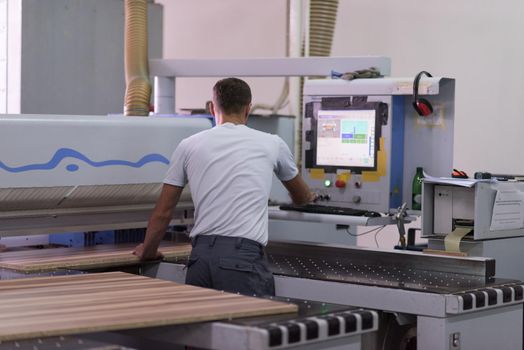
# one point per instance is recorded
(100, 256)
(62, 305)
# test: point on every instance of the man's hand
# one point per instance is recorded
(144, 255)
(158, 222)
(299, 191)
(313, 197)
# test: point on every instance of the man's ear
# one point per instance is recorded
(212, 108)
(248, 110)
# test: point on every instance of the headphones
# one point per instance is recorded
(421, 105)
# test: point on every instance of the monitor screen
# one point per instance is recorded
(346, 138)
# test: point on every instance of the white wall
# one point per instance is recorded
(476, 42)
(224, 29)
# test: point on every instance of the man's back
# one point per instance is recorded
(229, 169)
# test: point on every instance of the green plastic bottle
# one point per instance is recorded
(416, 203)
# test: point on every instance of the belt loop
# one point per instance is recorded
(238, 242)
(194, 241)
(212, 242)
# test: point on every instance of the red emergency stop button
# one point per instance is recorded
(340, 183)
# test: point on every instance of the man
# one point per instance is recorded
(229, 170)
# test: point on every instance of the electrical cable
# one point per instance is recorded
(281, 102)
(364, 233)
(376, 234)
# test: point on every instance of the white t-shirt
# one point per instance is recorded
(229, 169)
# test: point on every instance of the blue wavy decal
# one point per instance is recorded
(63, 153)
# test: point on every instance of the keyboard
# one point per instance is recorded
(323, 209)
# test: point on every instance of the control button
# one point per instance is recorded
(327, 183)
(358, 184)
(356, 199)
(340, 184)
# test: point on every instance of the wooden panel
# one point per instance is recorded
(104, 255)
(62, 305)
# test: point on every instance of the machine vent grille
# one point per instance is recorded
(31, 198)
(107, 195)
(36, 198)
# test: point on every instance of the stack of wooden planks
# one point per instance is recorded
(100, 256)
(62, 305)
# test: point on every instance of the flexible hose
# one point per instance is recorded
(138, 87)
(281, 102)
(322, 20)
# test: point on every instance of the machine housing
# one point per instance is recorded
(374, 115)
(446, 206)
(85, 173)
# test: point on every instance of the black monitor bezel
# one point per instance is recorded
(354, 169)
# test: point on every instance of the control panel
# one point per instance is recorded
(362, 141)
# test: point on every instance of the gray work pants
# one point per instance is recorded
(231, 264)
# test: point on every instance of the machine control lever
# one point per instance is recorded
(399, 218)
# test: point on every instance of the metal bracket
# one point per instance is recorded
(454, 341)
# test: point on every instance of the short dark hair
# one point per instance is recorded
(231, 95)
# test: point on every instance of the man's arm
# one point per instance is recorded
(158, 223)
(299, 191)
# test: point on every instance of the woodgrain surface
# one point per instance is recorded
(99, 256)
(62, 305)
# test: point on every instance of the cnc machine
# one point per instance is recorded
(361, 142)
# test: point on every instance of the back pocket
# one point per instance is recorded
(235, 264)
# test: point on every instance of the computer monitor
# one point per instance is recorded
(346, 139)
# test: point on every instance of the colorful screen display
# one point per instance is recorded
(346, 138)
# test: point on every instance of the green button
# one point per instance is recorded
(327, 183)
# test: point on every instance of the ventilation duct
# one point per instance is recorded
(322, 20)
(138, 87)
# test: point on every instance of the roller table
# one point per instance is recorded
(455, 300)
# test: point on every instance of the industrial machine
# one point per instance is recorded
(491, 209)
(427, 301)
(360, 144)
(440, 302)
(362, 140)
(86, 173)
(476, 218)
(61, 180)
